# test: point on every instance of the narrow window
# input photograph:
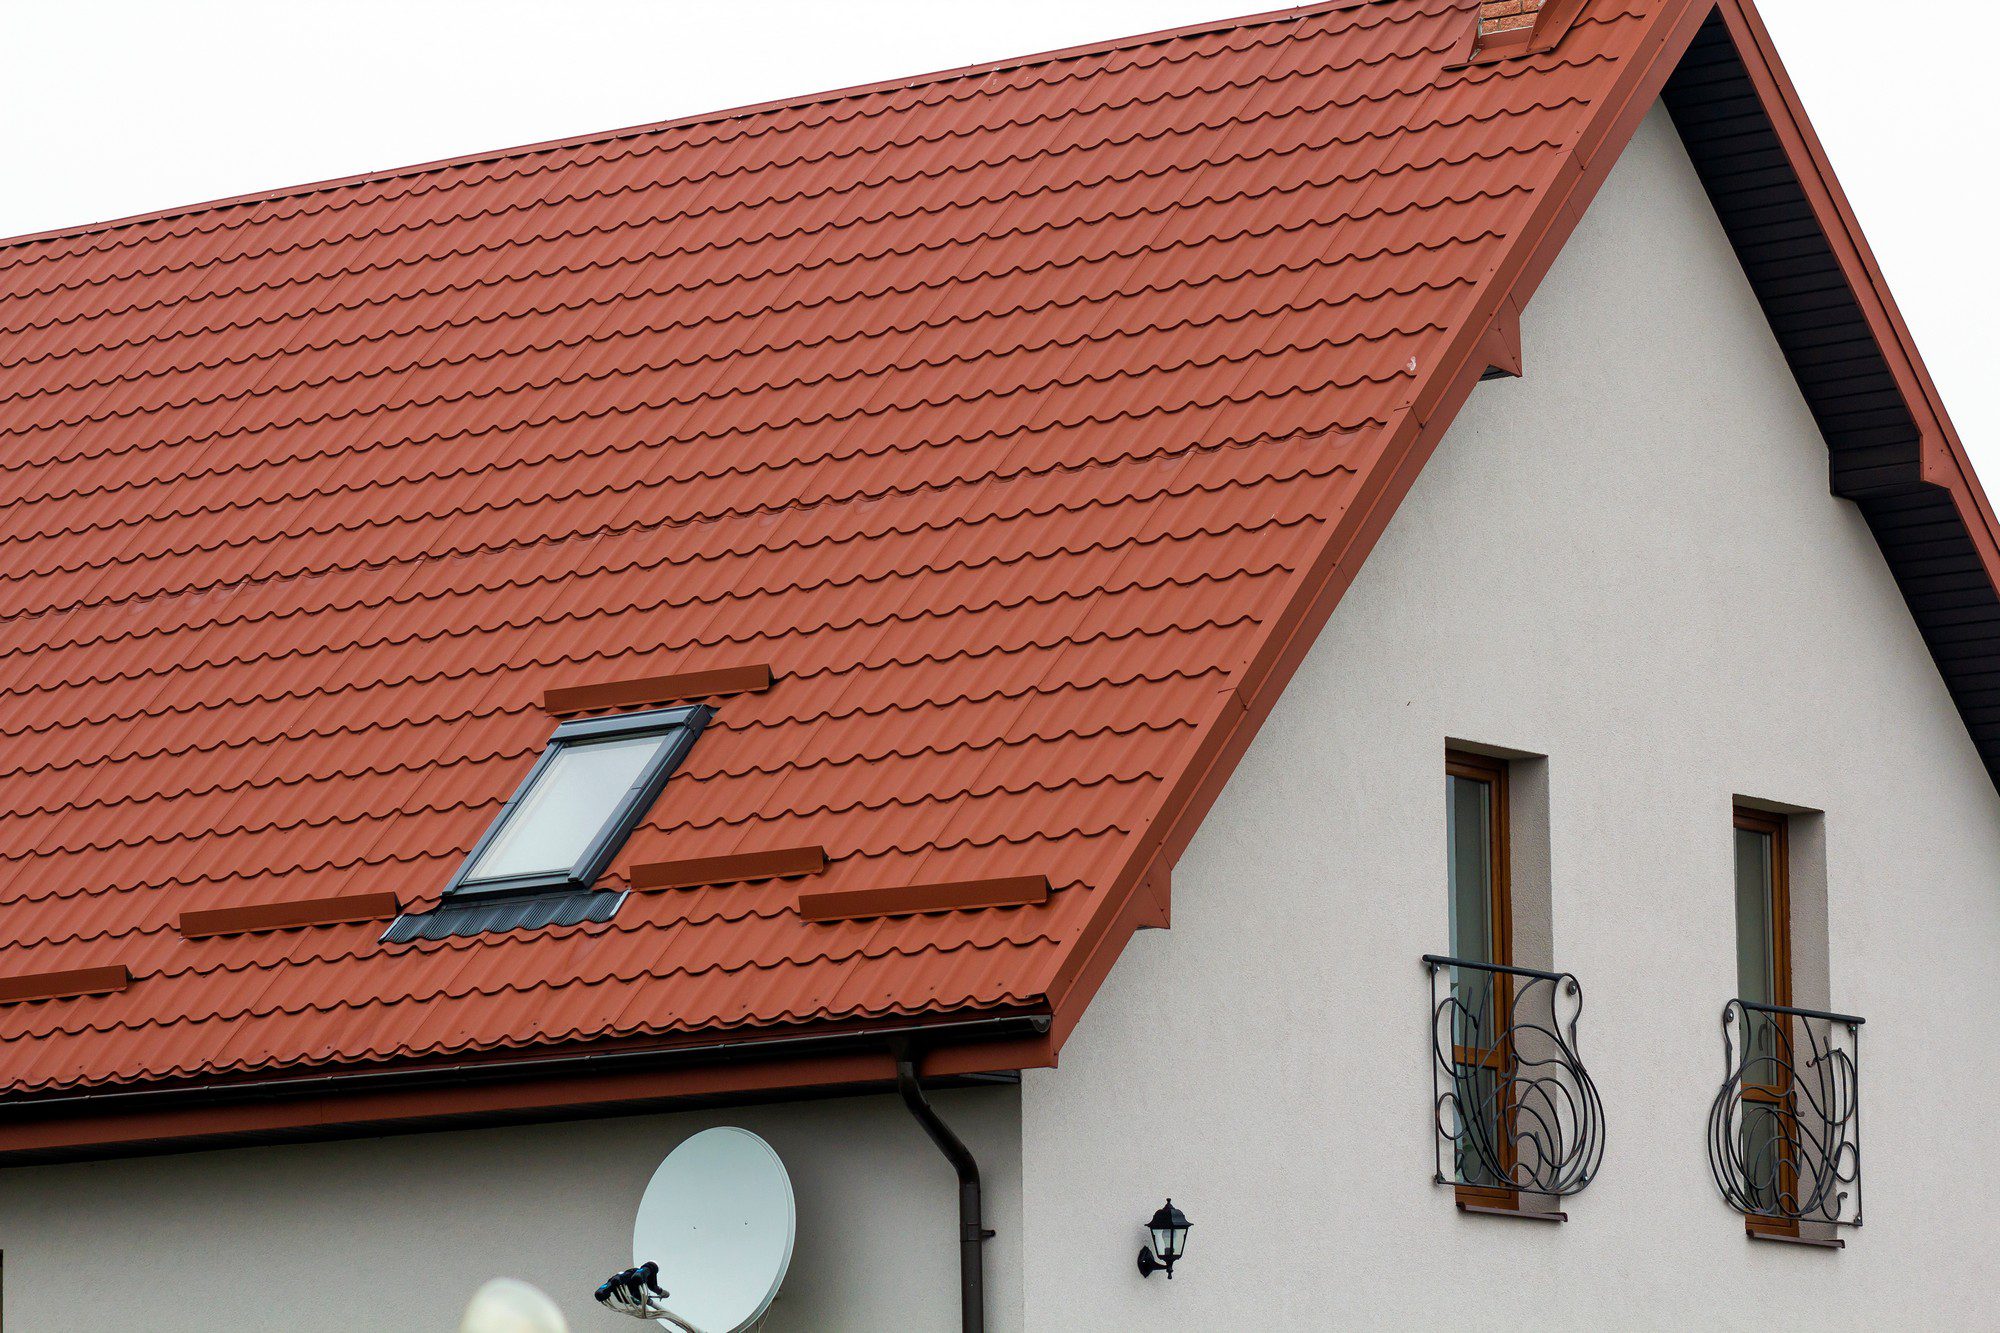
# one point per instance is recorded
(1476, 840)
(579, 802)
(1764, 983)
(1476, 856)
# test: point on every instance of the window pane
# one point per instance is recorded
(1755, 964)
(575, 796)
(1469, 859)
(1469, 845)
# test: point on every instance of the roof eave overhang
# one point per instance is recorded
(350, 1102)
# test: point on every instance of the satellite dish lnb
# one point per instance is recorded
(718, 1218)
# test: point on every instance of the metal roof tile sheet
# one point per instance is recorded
(1004, 415)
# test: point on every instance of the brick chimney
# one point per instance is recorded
(1498, 16)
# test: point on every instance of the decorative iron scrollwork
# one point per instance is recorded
(1516, 1112)
(1784, 1135)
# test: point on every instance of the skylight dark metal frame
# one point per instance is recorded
(684, 725)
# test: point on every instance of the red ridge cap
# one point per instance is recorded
(658, 689)
(289, 915)
(781, 863)
(58, 985)
(921, 899)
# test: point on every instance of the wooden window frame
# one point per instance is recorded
(1780, 1096)
(1500, 904)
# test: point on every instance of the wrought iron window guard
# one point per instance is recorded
(1784, 1135)
(1516, 1112)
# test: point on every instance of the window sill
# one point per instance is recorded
(1487, 1210)
(1779, 1238)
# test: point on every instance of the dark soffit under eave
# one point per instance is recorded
(1872, 438)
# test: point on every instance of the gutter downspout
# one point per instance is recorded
(972, 1232)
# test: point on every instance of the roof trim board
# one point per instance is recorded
(922, 899)
(619, 1082)
(289, 915)
(63, 985)
(699, 872)
(649, 690)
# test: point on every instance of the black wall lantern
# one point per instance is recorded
(1169, 1227)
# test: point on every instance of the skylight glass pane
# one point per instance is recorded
(576, 795)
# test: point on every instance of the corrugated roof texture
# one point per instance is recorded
(999, 412)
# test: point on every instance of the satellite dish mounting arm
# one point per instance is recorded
(637, 1292)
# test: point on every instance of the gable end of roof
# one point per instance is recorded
(1892, 450)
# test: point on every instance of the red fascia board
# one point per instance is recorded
(328, 1115)
(922, 899)
(289, 916)
(782, 863)
(334, 1114)
(62, 985)
(658, 689)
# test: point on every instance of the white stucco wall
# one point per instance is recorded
(394, 1234)
(1629, 562)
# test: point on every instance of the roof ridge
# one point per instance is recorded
(1101, 47)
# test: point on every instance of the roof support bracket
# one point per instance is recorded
(1154, 902)
(1501, 347)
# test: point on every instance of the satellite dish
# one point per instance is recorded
(718, 1217)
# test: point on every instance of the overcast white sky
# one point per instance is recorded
(123, 106)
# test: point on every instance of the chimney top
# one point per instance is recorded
(1498, 16)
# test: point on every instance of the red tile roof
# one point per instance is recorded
(1024, 420)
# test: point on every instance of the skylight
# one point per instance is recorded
(578, 804)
